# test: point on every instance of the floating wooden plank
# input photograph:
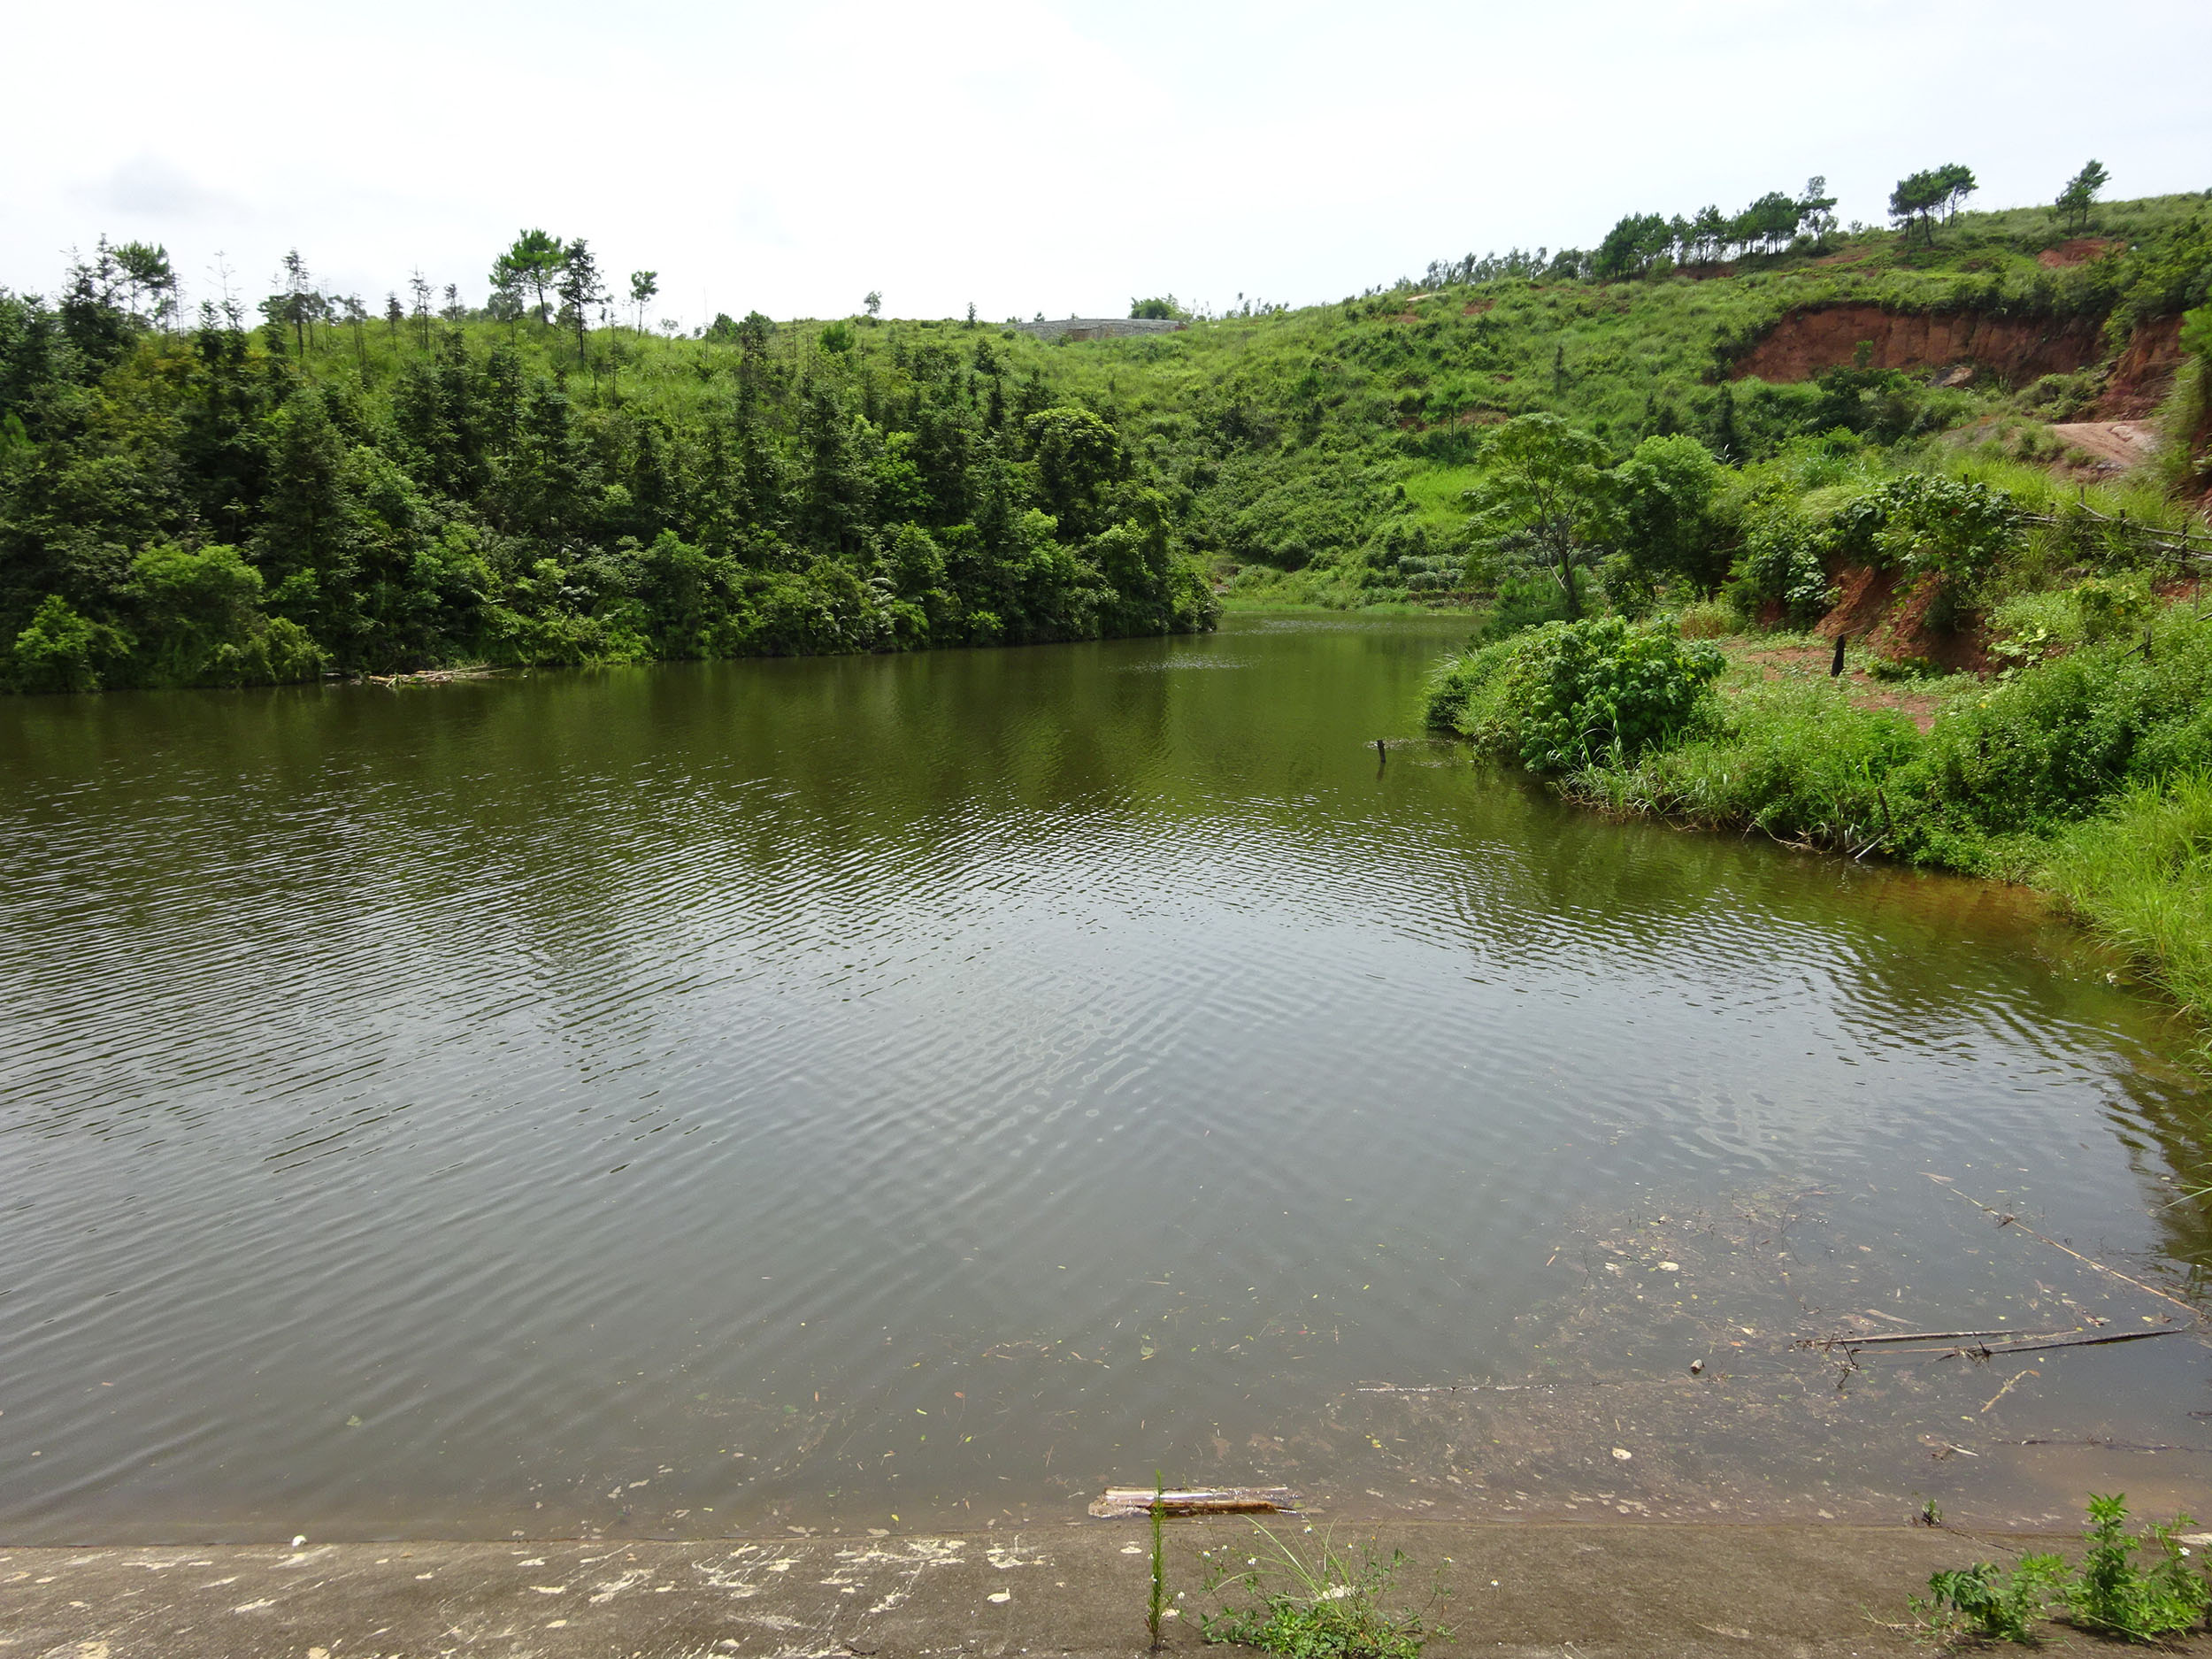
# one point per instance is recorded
(1120, 1502)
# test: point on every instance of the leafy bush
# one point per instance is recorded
(1785, 560)
(59, 650)
(2106, 606)
(1947, 527)
(2113, 1596)
(203, 625)
(1674, 516)
(1986, 1602)
(2045, 747)
(1568, 694)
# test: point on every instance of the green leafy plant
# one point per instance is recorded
(1784, 561)
(1330, 1606)
(1984, 1601)
(1603, 690)
(2108, 606)
(2112, 1596)
(1955, 526)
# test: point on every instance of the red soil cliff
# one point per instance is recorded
(1805, 341)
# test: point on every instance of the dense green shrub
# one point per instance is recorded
(59, 650)
(201, 623)
(2044, 747)
(1568, 695)
(1784, 562)
(1931, 524)
(1676, 518)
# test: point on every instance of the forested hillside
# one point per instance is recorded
(322, 491)
(320, 487)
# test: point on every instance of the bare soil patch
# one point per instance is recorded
(2145, 372)
(2080, 250)
(1790, 660)
(1814, 338)
(2117, 444)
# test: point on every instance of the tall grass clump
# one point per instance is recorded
(1798, 761)
(2141, 875)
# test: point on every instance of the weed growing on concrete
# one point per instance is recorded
(1987, 1601)
(2115, 1597)
(1332, 1607)
(2110, 1594)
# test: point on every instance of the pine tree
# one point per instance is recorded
(580, 289)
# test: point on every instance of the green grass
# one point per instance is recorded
(2140, 875)
(1436, 492)
(1331, 1604)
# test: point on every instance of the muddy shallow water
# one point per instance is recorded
(715, 1096)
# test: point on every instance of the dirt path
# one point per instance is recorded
(1774, 662)
(2119, 444)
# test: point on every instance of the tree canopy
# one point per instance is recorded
(2080, 197)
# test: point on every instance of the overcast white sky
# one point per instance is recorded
(1057, 156)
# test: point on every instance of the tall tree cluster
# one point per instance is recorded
(1921, 198)
(226, 503)
(1771, 224)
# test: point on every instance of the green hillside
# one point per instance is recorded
(316, 487)
(1325, 442)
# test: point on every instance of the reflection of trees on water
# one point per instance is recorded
(575, 833)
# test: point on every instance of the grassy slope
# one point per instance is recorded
(1302, 434)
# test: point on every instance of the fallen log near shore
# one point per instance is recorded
(1121, 1503)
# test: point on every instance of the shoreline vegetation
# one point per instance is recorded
(2076, 759)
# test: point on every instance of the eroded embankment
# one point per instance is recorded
(1806, 341)
(2144, 373)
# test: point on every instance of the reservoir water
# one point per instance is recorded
(714, 1097)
